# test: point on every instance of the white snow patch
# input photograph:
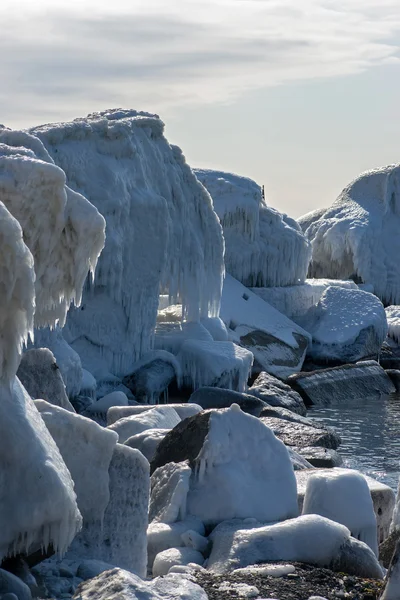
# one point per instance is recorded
(266, 570)
(160, 417)
(243, 590)
(106, 402)
(172, 557)
(161, 536)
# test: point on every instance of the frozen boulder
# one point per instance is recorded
(357, 236)
(216, 327)
(298, 461)
(152, 375)
(161, 536)
(278, 412)
(68, 361)
(119, 412)
(209, 397)
(275, 392)
(169, 490)
(10, 586)
(147, 442)
(216, 364)
(170, 335)
(231, 452)
(88, 385)
(391, 590)
(262, 246)
(393, 321)
(326, 386)
(346, 326)
(41, 377)
(295, 300)
(278, 344)
(293, 540)
(161, 417)
(343, 496)
(173, 557)
(300, 435)
(98, 410)
(122, 585)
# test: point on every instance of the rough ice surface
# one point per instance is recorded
(282, 346)
(119, 412)
(122, 585)
(86, 449)
(295, 300)
(162, 231)
(173, 557)
(170, 336)
(393, 321)
(357, 236)
(88, 385)
(221, 364)
(38, 503)
(216, 327)
(225, 470)
(161, 536)
(169, 490)
(160, 417)
(346, 325)
(108, 401)
(64, 232)
(147, 441)
(343, 497)
(68, 361)
(262, 247)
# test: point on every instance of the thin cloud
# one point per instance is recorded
(83, 56)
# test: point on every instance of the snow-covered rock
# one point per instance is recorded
(119, 412)
(169, 336)
(41, 377)
(275, 392)
(161, 536)
(393, 321)
(278, 344)
(161, 417)
(219, 364)
(122, 585)
(309, 538)
(262, 246)
(343, 497)
(169, 490)
(210, 397)
(357, 236)
(147, 441)
(152, 375)
(88, 385)
(391, 590)
(216, 327)
(172, 557)
(108, 401)
(295, 300)
(383, 497)
(12, 587)
(361, 380)
(346, 325)
(230, 453)
(162, 231)
(68, 361)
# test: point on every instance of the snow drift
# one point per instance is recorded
(357, 237)
(162, 232)
(263, 247)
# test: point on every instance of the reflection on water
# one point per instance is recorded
(370, 431)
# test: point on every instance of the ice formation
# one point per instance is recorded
(345, 325)
(64, 232)
(161, 417)
(263, 247)
(162, 232)
(343, 497)
(393, 321)
(295, 300)
(175, 556)
(357, 237)
(147, 441)
(161, 536)
(119, 412)
(169, 490)
(222, 364)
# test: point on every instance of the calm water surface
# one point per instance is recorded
(370, 431)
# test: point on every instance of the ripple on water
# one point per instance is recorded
(370, 432)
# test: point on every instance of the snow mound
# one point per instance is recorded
(357, 237)
(161, 536)
(393, 321)
(346, 325)
(162, 417)
(295, 300)
(343, 497)
(262, 247)
(147, 441)
(162, 231)
(64, 232)
(172, 557)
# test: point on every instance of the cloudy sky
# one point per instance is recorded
(301, 95)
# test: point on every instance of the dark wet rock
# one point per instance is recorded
(324, 458)
(387, 548)
(394, 375)
(275, 392)
(210, 397)
(150, 381)
(301, 436)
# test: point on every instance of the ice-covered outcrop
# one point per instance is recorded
(357, 237)
(278, 344)
(162, 232)
(263, 247)
(346, 326)
(393, 321)
(230, 453)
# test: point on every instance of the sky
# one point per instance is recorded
(300, 95)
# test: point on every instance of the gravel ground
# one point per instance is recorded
(306, 581)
